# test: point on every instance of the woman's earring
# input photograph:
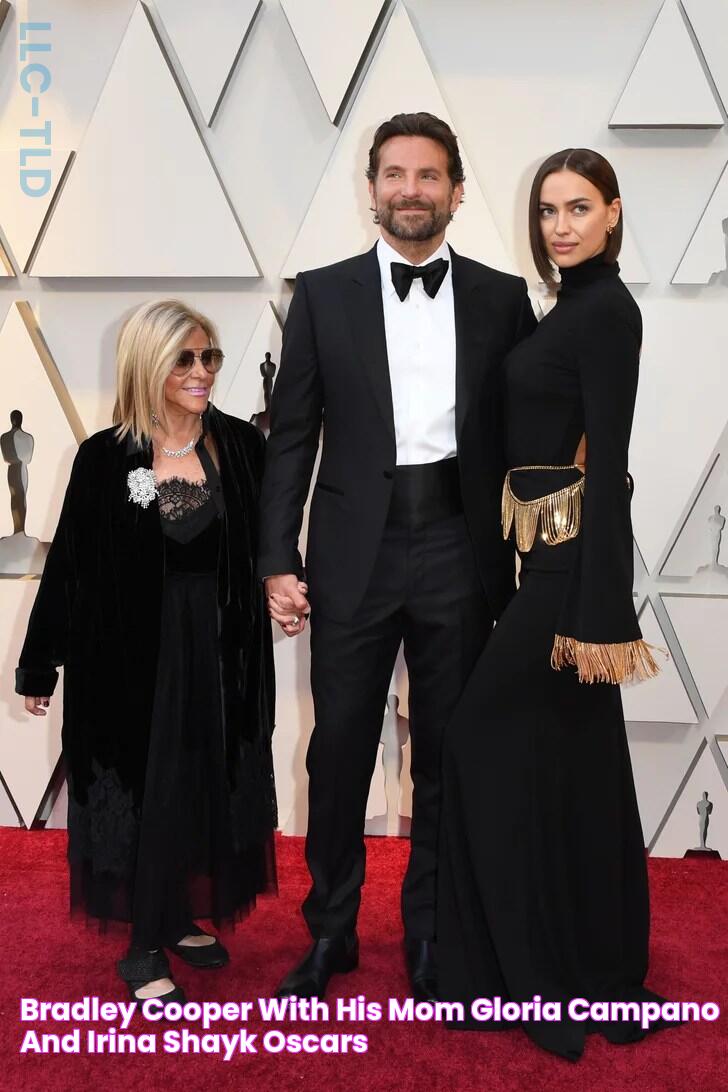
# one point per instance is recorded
(610, 229)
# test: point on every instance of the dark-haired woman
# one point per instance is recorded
(542, 874)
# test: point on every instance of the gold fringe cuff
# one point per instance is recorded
(612, 663)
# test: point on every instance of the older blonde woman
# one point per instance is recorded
(150, 602)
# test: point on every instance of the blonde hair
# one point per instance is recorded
(148, 345)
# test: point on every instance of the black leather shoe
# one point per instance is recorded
(203, 956)
(421, 967)
(327, 956)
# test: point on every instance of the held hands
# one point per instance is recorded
(36, 706)
(287, 603)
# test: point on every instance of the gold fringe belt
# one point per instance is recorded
(558, 514)
(614, 663)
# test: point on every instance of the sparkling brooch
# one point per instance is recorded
(142, 486)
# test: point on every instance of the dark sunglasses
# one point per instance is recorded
(211, 360)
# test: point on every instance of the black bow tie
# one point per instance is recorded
(432, 277)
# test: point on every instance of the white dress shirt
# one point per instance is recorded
(420, 336)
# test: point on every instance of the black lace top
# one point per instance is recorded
(190, 514)
(178, 497)
(186, 508)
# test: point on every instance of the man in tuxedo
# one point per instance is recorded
(397, 352)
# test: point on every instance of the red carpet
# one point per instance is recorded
(51, 958)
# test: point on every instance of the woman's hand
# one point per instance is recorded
(37, 706)
(288, 603)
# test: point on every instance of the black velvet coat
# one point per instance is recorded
(98, 608)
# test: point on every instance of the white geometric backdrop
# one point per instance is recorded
(213, 150)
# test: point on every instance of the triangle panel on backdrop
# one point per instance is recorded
(332, 38)
(243, 397)
(709, 20)
(57, 809)
(6, 266)
(700, 548)
(660, 754)
(8, 811)
(701, 627)
(23, 216)
(632, 268)
(338, 222)
(668, 88)
(666, 474)
(707, 249)
(683, 827)
(46, 446)
(208, 39)
(29, 746)
(662, 699)
(722, 742)
(142, 198)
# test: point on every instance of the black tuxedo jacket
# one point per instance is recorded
(334, 372)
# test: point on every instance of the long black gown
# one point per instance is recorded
(194, 849)
(542, 876)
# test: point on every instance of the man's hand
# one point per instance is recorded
(287, 602)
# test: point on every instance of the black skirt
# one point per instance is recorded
(194, 848)
(542, 882)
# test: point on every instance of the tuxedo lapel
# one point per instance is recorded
(365, 311)
(470, 342)
(363, 292)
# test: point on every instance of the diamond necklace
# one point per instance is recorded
(182, 451)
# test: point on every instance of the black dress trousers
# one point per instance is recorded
(424, 591)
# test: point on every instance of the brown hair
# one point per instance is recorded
(597, 170)
(420, 124)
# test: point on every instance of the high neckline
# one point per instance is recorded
(574, 277)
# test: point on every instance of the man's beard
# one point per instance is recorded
(418, 229)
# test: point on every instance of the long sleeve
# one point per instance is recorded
(258, 459)
(296, 415)
(524, 326)
(527, 322)
(46, 641)
(598, 629)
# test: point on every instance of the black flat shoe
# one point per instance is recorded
(203, 956)
(421, 968)
(327, 956)
(139, 968)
